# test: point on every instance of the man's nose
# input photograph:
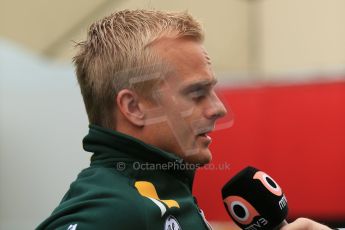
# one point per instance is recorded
(216, 108)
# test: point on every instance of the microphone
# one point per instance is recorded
(255, 201)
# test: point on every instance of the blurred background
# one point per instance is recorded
(281, 67)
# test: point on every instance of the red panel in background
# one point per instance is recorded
(296, 134)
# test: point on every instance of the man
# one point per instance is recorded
(148, 89)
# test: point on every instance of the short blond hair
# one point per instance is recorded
(117, 50)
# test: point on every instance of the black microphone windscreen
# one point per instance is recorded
(254, 200)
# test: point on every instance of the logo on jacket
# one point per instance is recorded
(171, 224)
(72, 227)
(148, 190)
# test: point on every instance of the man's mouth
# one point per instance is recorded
(203, 132)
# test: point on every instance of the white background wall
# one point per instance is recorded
(42, 122)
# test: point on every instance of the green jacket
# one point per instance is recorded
(129, 185)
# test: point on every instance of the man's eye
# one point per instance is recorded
(198, 94)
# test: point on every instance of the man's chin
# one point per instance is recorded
(201, 158)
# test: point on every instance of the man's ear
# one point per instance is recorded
(128, 104)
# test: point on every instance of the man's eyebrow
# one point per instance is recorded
(199, 84)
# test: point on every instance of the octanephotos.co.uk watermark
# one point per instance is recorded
(146, 166)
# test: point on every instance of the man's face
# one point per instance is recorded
(187, 105)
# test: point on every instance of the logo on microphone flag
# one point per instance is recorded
(240, 209)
